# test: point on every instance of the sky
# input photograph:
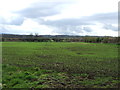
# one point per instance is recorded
(59, 17)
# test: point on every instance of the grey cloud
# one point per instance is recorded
(7, 29)
(68, 22)
(87, 29)
(17, 21)
(109, 26)
(69, 25)
(3, 29)
(72, 30)
(2, 20)
(42, 9)
(105, 17)
(12, 21)
(72, 23)
(68, 30)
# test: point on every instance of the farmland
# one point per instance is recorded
(59, 65)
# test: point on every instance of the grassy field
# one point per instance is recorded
(61, 64)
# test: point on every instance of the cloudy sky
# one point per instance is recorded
(59, 17)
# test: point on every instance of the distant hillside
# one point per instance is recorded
(44, 36)
(59, 38)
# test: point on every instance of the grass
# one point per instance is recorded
(62, 64)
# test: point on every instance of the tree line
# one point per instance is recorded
(89, 39)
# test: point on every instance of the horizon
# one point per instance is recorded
(56, 35)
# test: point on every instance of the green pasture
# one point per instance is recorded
(59, 64)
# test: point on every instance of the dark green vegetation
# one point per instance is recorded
(62, 64)
(59, 38)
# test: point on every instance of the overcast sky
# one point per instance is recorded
(59, 17)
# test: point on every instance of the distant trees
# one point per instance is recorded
(37, 38)
(100, 39)
(36, 34)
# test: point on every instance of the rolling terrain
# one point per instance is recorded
(59, 65)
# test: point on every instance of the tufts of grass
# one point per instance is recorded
(41, 64)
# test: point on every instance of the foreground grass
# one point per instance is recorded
(64, 64)
(34, 77)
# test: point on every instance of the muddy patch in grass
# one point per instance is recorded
(44, 56)
(79, 53)
(84, 53)
(90, 53)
